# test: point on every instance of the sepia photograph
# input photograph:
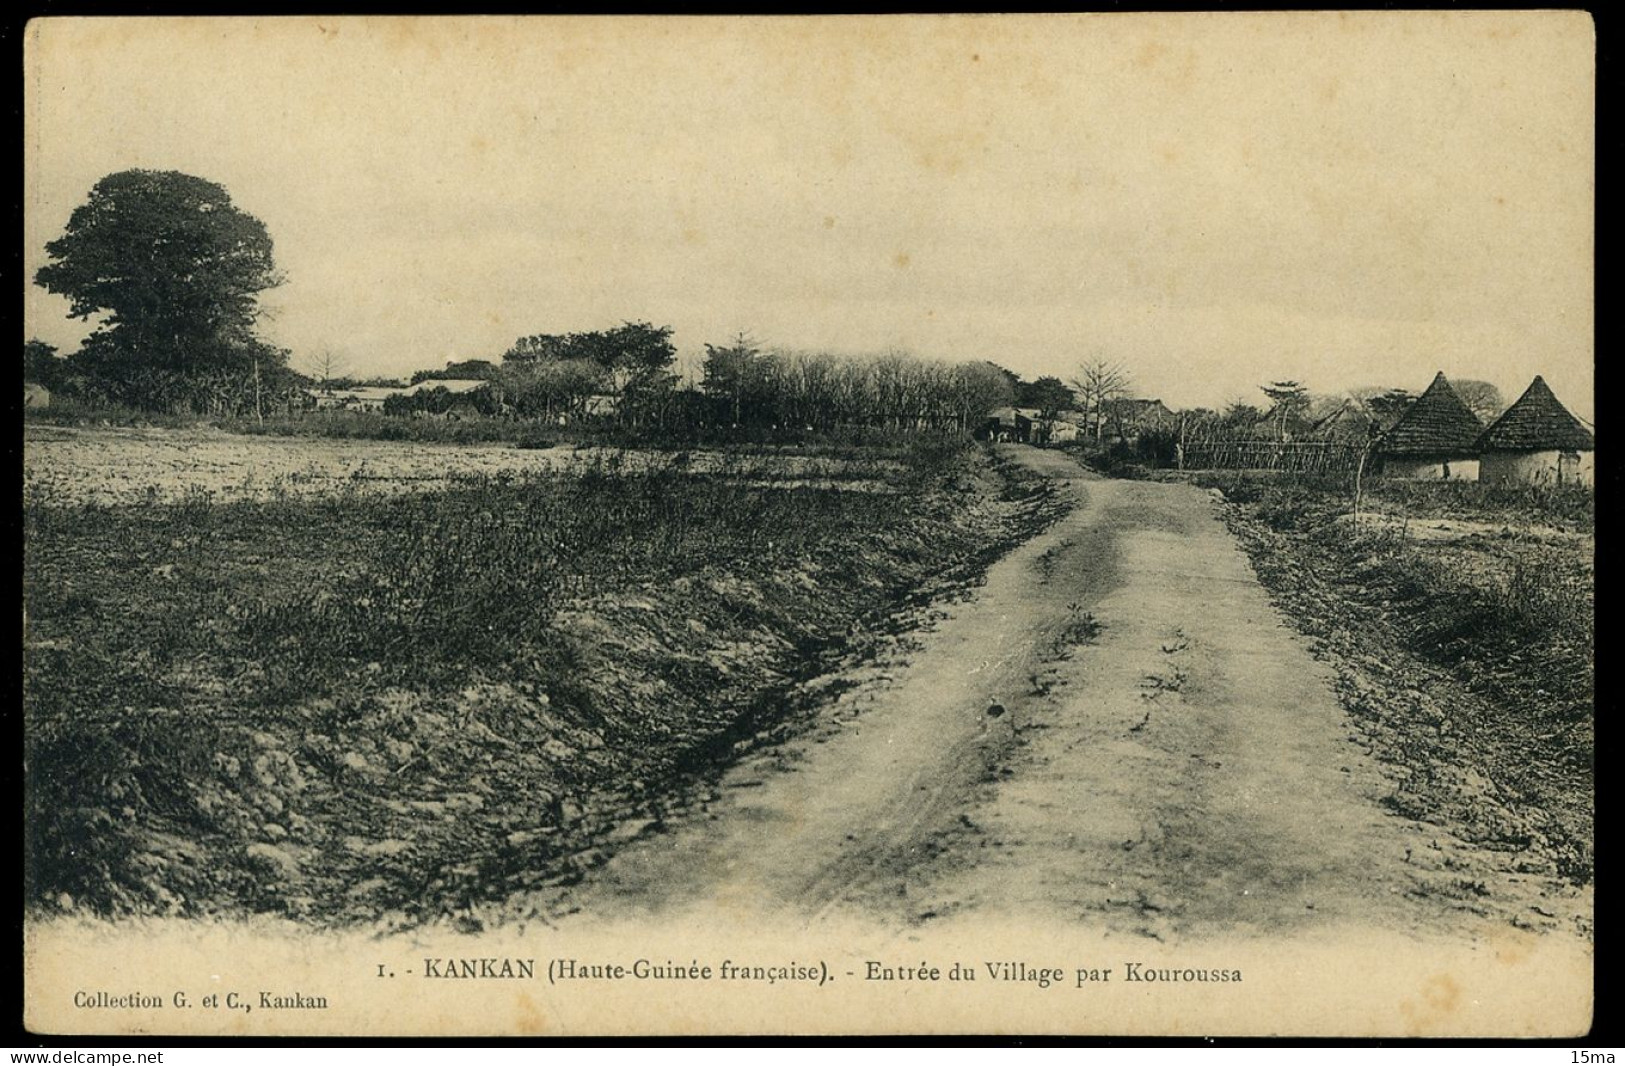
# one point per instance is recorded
(916, 524)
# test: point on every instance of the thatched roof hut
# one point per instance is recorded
(1538, 422)
(1436, 437)
(1536, 440)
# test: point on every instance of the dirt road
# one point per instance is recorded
(1170, 759)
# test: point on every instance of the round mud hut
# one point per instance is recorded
(1435, 439)
(1537, 441)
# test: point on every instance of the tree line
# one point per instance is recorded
(818, 391)
(172, 272)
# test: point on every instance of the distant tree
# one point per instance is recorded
(1010, 376)
(1287, 393)
(1481, 397)
(1239, 413)
(175, 271)
(639, 357)
(539, 348)
(465, 370)
(732, 371)
(978, 388)
(1388, 405)
(1049, 394)
(633, 358)
(42, 365)
(472, 369)
(652, 401)
(327, 369)
(439, 400)
(1288, 402)
(551, 387)
(1099, 382)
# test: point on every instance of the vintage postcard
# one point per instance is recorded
(858, 525)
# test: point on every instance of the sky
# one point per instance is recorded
(1213, 201)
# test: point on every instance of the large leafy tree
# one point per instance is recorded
(175, 271)
(638, 356)
(559, 371)
(1049, 394)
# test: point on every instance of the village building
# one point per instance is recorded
(359, 398)
(601, 405)
(1435, 439)
(1131, 417)
(1066, 426)
(598, 405)
(35, 395)
(1029, 425)
(1042, 428)
(1537, 441)
(373, 397)
(1006, 424)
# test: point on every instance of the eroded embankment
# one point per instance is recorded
(354, 709)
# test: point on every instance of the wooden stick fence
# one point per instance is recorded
(1291, 457)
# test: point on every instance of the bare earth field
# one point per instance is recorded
(360, 706)
(947, 707)
(68, 465)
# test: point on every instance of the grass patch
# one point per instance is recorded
(1573, 506)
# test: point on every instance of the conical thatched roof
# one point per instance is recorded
(1537, 423)
(1436, 424)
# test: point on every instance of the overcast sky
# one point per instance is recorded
(1215, 201)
